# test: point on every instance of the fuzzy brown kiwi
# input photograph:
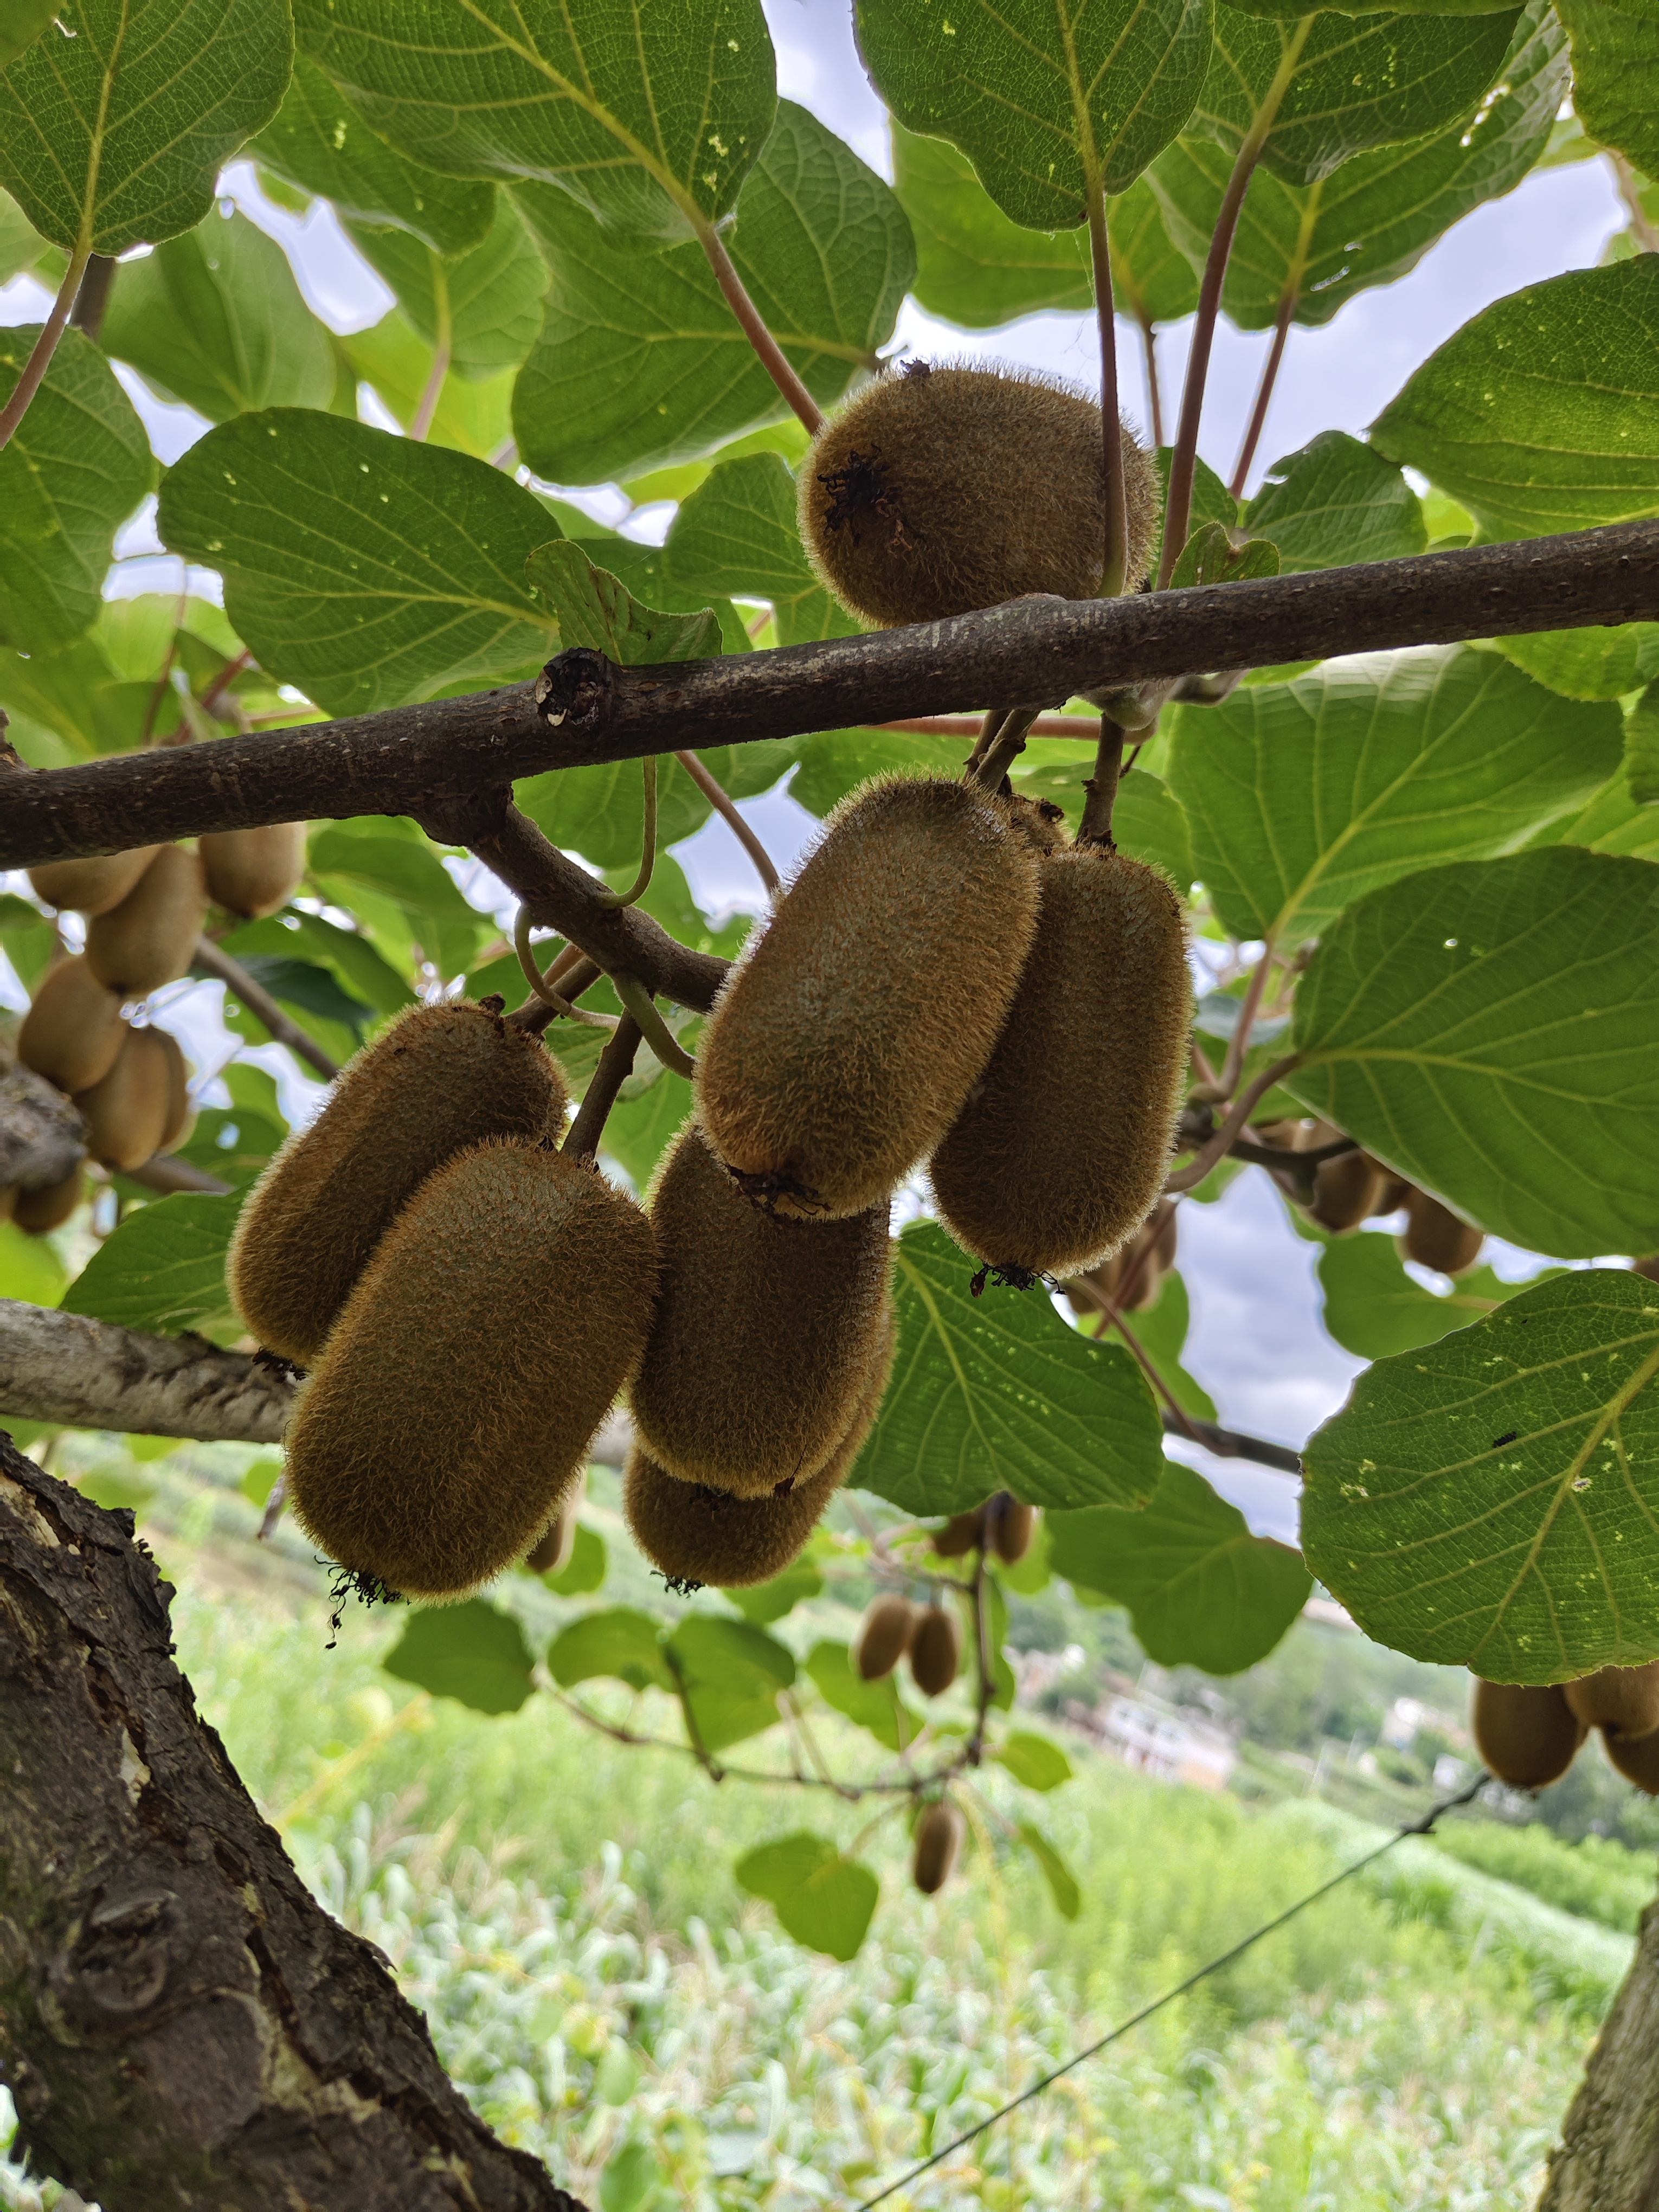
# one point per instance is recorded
(935, 1650)
(181, 1114)
(1620, 1700)
(696, 1535)
(1060, 1152)
(484, 1343)
(943, 489)
(1010, 1523)
(961, 1533)
(127, 1113)
(883, 1638)
(74, 1030)
(1528, 1737)
(38, 1211)
(1637, 1758)
(441, 1079)
(765, 1329)
(253, 871)
(844, 1042)
(150, 938)
(938, 1845)
(1346, 1190)
(91, 887)
(1435, 1238)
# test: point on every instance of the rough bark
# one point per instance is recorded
(1608, 2159)
(181, 2024)
(89, 1374)
(42, 1135)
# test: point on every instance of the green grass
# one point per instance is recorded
(1597, 1879)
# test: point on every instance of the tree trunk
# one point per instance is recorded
(1608, 2157)
(181, 2024)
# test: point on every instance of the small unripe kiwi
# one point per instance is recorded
(37, 1211)
(961, 1533)
(150, 938)
(1435, 1238)
(1346, 1190)
(1637, 1758)
(1528, 1737)
(938, 1845)
(938, 490)
(253, 871)
(883, 1638)
(1061, 1151)
(91, 887)
(441, 1080)
(130, 1112)
(483, 1345)
(765, 1329)
(935, 1650)
(181, 1114)
(1009, 1524)
(1621, 1700)
(845, 1040)
(74, 1029)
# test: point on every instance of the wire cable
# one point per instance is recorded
(1421, 1827)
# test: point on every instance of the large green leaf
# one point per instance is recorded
(1335, 502)
(1152, 280)
(618, 1642)
(738, 533)
(75, 467)
(1487, 1029)
(470, 416)
(1489, 1501)
(163, 1269)
(729, 1674)
(472, 1652)
(595, 608)
(1542, 414)
(996, 1393)
(877, 1706)
(486, 302)
(1044, 96)
(1063, 1885)
(1602, 663)
(823, 1900)
(1375, 1309)
(640, 363)
(377, 857)
(364, 567)
(974, 266)
(115, 132)
(1305, 795)
(1034, 1760)
(23, 22)
(215, 318)
(1201, 1590)
(320, 143)
(1615, 76)
(1358, 83)
(1614, 821)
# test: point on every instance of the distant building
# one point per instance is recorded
(1163, 1740)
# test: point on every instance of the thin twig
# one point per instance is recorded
(972, 725)
(39, 360)
(227, 675)
(420, 428)
(1642, 229)
(727, 809)
(1154, 396)
(1264, 394)
(768, 350)
(1005, 749)
(1239, 1043)
(92, 300)
(542, 985)
(263, 1008)
(1189, 1178)
(616, 1066)
(1111, 1314)
(641, 883)
(635, 995)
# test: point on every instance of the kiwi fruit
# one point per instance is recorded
(440, 1080)
(130, 1113)
(935, 1650)
(938, 490)
(149, 939)
(1528, 1737)
(1346, 1190)
(845, 1042)
(938, 1846)
(883, 1638)
(1159, 1232)
(484, 1343)
(961, 1533)
(1435, 1238)
(181, 1114)
(1637, 1758)
(1620, 1700)
(1060, 1152)
(91, 887)
(74, 1030)
(252, 872)
(1009, 1524)
(696, 1534)
(37, 1211)
(765, 1329)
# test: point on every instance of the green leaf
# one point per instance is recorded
(301, 985)
(1375, 1309)
(1615, 76)
(75, 467)
(823, 1900)
(216, 320)
(488, 299)
(365, 569)
(1603, 663)
(23, 22)
(1303, 796)
(996, 1393)
(1062, 1882)
(163, 1269)
(583, 1573)
(115, 132)
(618, 1641)
(1614, 821)
(361, 969)
(738, 533)
(1542, 414)
(259, 1480)
(630, 2177)
(877, 1706)
(1212, 501)
(1152, 280)
(1358, 83)
(835, 761)
(1201, 1590)
(761, 1603)
(1335, 502)
(651, 118)
(1034, 1760)
(1642, 748)
(1042, 95)
(472, 1652)
(389, 859)
(320, 143)
(471, 417)
(1486, 1029)
(640, 363)
(595, 609)
(1489, 1501)
(975, 267)
(729, 1675)
(29, 1269)
(1210, 556)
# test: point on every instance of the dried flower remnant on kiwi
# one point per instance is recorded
(932, 494)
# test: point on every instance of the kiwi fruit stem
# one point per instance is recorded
(1007, 742)
(1114, 557)
(635, 995)
(641, 883)
(1096, 827)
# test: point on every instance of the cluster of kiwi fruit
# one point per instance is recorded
(1530, 1737)
(1353, 1187)
(144, 912)
(929, 1636)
